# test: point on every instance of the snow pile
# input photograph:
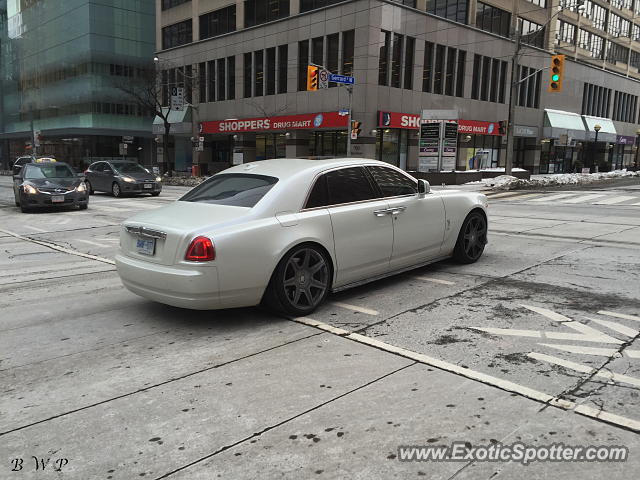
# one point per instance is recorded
(506, 182)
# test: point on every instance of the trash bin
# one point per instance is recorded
(195, 170)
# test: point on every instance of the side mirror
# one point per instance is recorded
(423, 187)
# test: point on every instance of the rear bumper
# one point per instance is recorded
(194, 287)
(138, 187)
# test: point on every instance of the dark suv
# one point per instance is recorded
(121, 177)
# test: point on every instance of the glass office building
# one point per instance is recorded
(62, 67)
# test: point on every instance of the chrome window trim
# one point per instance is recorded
(145, 232)
(315, 178)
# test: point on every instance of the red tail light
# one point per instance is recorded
(200, 250)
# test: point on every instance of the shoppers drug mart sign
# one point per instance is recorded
(305, 121)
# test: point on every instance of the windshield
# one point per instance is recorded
(48, 171)
(236, 189)
(129, 167)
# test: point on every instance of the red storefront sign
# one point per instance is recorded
(305, 121)
(398, 120)
(475, 127)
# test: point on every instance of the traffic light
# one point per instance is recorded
(355, 129)
(312, 77)
(502, 127)
(556, 73)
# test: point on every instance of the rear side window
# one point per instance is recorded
(393, 183)
(234, 189)
(97, 167)
(348, 185)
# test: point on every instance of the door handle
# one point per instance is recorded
(397, 210)
(382, 213)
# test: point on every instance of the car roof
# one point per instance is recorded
(55, 162)
(284, 168)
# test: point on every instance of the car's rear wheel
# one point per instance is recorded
(300, 282)
(471, 239)
(155, 194)
(89, 187)
(115, 190)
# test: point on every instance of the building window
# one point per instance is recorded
(248, 68)
(488, 79)
(306, 5)
(427, 67)
(333, 51)
(257, 12)
(438, 69)
(222, 80)
(462, 61)
(529, 88)
(475, 81)
(449, 76)
(532, 33)
(566, 32)
(383, 62)
(409, 51)
(634, 60)
(167, 4)
(212, 81)
(540, 3)
(492, 19)
(455, 10)
(258, 72)
(624, 107)
(591, 42)
(231, 78)
(271, 71)
(486, 70)
(177, 34)
(317, 50)
(635, 32)
(348, 44)
(283, 57)
(202, 82)
(303, 63)
(596, 100)
(217, 23)
(618, 26)
(615, 53)
(396, 60)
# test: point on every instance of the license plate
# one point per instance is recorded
(146, 246)
(57, 199)
(148, 185)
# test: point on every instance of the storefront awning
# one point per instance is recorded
(558, 122)
(607, 131)
(180, 121)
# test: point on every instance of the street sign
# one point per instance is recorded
(342, 79)
(177, 98)
(354, 136)
(127, 139)
(343, 112)
(123, 148)
(324, 79)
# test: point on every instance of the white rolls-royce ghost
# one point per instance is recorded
(287, 232)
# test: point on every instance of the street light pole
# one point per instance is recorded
(350, 90)
(597, 128)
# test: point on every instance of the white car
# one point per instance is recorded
(287, 232)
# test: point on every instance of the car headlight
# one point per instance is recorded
(82, 187)
(30, 189)
(128, 179)
(158, 179)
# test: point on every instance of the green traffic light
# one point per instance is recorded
(555, 78)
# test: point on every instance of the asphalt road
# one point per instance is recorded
(536, 343)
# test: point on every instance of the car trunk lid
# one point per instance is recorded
(163, 235)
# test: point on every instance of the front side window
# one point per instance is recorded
(234, 189)
(349, 185)
(48, 171)
(393, 183)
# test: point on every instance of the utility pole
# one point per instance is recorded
(513, 91)
(350, 90)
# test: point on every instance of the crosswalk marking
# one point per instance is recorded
(355, 308)
(583, 198)
(526, 195)
(550, 198)
(614, 200)
(435, 280)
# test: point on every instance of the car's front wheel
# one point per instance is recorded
(115, 190)
(89, 187)
(471, 239)
(300, 282)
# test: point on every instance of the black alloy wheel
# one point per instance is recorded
(471, 239)
(89, 187)
(301, 281)
(115, 190)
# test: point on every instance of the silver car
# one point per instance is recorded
(121, 177)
